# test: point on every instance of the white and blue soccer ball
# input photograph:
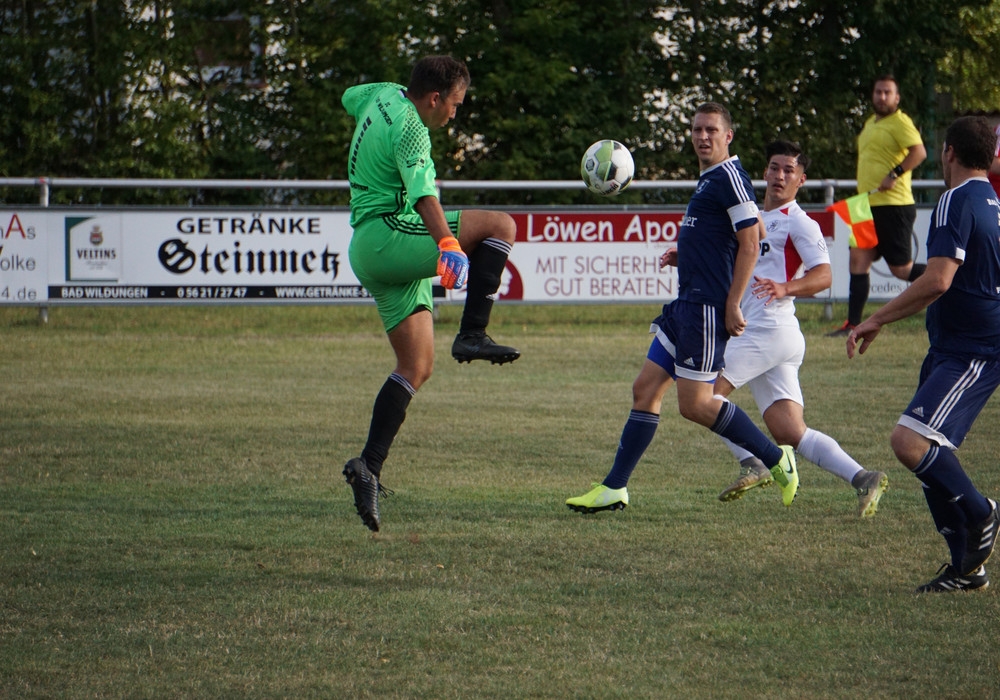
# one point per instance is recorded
(607, 167)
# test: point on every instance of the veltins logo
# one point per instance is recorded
(93, 248)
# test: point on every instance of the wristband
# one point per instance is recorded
(896, 172)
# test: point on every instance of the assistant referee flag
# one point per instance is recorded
(856, 212)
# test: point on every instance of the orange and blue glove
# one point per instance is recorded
(453, 265)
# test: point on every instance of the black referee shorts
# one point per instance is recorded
(894, 229)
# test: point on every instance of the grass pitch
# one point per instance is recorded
(173, 522)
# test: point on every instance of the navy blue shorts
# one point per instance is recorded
(951, 394)
(690, 341)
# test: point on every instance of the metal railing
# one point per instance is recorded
(46, 184)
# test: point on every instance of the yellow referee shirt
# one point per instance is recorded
(882, 145)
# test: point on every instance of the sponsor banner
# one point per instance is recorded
(93, 248)
(22, 257)
(596, 256)
(592, 256)
(204, 249)
(67, 256)
(207, 293)
(178, 256)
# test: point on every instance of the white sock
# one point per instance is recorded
(826, 453)
(738, 452)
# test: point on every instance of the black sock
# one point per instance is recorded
(485, 269)
(857, 298)
(388, 415)
(915, 271)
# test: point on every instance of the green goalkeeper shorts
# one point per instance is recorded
(394, 257)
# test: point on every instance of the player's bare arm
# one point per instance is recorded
(916, 155)
(433, 217)
(917, 297)
(814, 280)
(746, 258)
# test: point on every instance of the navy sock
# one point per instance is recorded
(941, 470)
(388, 415)
(949, 521)
(636, 435)
(735, 425)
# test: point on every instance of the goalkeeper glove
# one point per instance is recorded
(453, 265)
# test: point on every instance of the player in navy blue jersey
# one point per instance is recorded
(961, 292)
(717, 248)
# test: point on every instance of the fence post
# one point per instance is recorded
(828, 305)
(43, 200)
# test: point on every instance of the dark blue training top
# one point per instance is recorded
(722, 204)
(965, 225)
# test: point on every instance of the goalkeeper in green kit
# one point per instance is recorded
(402, 238)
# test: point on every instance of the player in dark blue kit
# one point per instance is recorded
(961, 292)
(717, 248)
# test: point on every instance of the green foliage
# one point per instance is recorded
(968, 73)
(804, 70)
(532, 118)
(251, 88)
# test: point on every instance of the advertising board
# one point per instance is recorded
(106, 256)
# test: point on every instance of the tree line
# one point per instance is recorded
(250, 89)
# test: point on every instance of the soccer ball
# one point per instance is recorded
(607, 167)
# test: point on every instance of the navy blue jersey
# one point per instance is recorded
(722, 204)
(965, 225)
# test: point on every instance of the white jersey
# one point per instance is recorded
(794, 243)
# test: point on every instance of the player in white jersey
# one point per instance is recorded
(768, 354)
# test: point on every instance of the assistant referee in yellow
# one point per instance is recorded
(889, 148)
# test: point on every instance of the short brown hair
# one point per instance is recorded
(886, 78)
(716, 108)
(437, 74)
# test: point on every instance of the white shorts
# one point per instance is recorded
(767, 360)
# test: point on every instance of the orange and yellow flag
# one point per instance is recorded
(856, 212)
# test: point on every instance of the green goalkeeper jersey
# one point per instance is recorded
(389, 165)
